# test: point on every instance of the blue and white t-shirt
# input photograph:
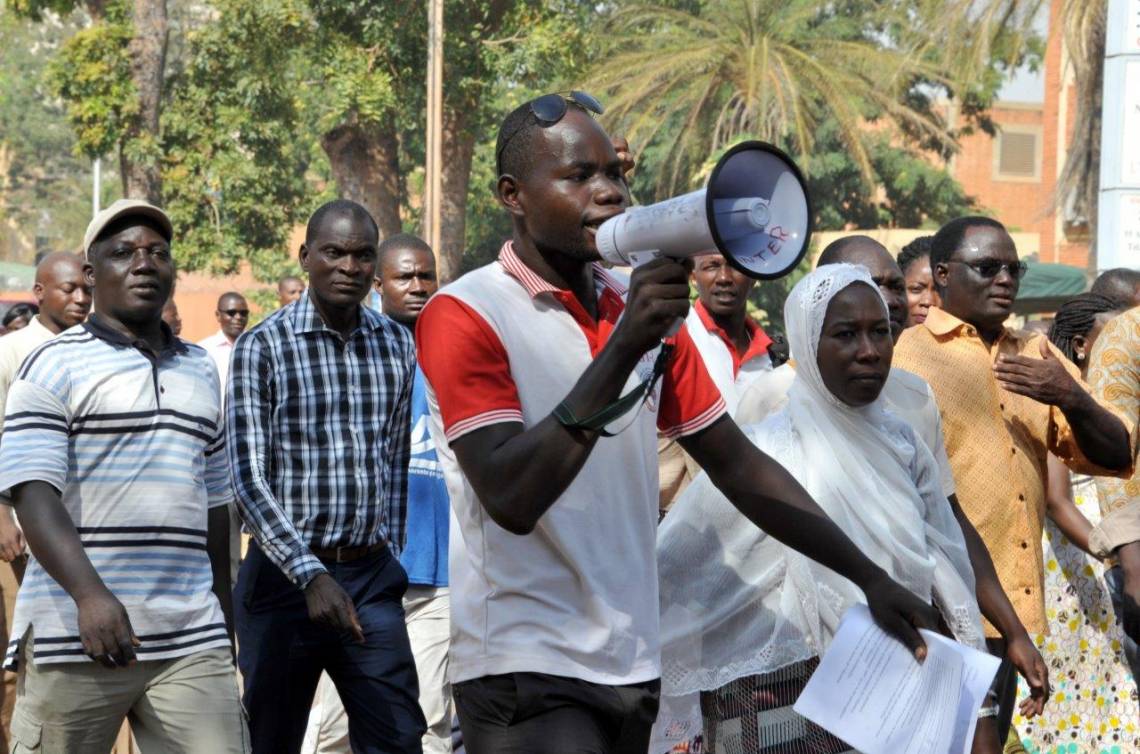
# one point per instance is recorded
(134, 442)
(425, 555)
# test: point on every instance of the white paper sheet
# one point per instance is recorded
(870, 691)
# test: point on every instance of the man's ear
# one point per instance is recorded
(89, 275)
(509, 195)
(941, 275)
(303, 256)
(38, 292)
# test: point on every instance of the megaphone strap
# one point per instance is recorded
(598, 421)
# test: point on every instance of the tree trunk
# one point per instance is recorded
(458, 150)
(142, 179)
(365, 162)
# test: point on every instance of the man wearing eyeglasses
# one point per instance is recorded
(1007, 399)
(529, 362)
(232, 314)
(233, 317)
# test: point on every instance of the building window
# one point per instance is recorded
(1017, 153)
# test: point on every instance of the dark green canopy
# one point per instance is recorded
(16, 277)
(1047, 286)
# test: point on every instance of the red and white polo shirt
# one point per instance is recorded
(731, 370)
(578, 596)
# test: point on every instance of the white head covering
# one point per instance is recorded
(735, 602)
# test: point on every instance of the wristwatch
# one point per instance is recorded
(985, 712)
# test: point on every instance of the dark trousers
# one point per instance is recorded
(281, 654)
(534, 713)
(1114, 577)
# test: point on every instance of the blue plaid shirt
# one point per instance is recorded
(317, 431)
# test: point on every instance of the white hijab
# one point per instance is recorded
(734, 601)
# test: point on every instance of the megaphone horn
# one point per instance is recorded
(755, 211)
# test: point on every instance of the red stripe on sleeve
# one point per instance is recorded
(690, 400)
(467, 367)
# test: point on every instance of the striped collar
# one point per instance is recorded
(306, 319)
(106, 333)
(535, 285)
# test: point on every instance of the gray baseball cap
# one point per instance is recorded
(124, 208)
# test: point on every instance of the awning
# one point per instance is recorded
(1046, 286)
(16, 277)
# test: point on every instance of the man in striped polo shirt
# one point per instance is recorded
(113, 453)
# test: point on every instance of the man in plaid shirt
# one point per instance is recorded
(318, 434)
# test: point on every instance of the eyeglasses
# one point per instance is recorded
(234, 312)
(548, 110)
(989, 268)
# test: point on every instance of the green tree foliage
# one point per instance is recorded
(235, 143)
(44, 186)
(257, 93)
(92, 75)
(696, 79)
(912, 191)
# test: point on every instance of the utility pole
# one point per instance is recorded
(1118, 222)
(96, 186)
(433, 173)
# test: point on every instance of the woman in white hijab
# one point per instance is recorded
(736, 604)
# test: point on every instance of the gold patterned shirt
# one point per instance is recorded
(1114, 375)
(998, 442)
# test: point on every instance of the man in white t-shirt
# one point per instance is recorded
(232, 314)
(910, 398)
(529, 362)
(233, 317)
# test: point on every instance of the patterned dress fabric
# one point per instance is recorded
(1094, 708)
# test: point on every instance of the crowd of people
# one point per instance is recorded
(527, 501)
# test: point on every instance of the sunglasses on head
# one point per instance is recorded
(548, 110)
(990, 268)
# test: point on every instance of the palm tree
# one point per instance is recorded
(1084, 25)
(700, 79)
(982, 30)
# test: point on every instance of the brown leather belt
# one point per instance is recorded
(347, 554)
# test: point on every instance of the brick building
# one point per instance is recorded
(1014, 174)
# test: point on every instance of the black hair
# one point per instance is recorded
(224, 296)
(338, 208)
(1118, 284)
(949, 237)
(287, 278)
(400, 241)
(19, 310)
(515, 142)
(835, 251)
(914, 251)
(1076, 317)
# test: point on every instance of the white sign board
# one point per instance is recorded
(1129, 134)
(1132, 33)
(1128, 233)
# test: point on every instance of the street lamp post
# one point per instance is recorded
(433, 178)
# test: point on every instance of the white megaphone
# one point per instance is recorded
(754, 211)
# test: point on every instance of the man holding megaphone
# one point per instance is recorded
(547, 383)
